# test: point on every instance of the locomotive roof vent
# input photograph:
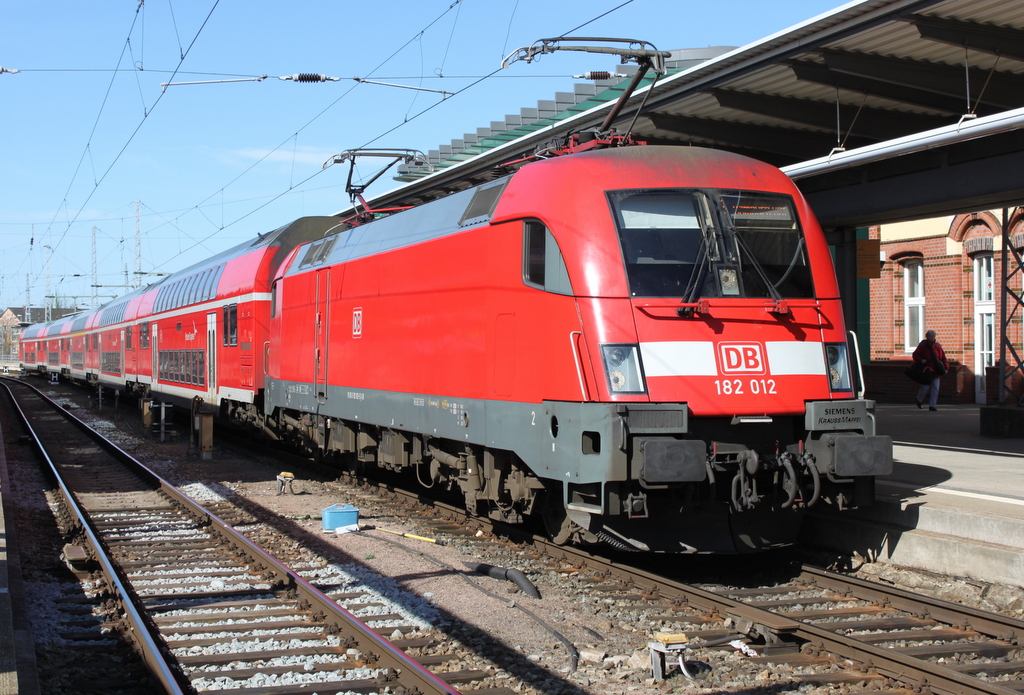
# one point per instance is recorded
(482, 205)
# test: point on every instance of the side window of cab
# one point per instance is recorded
(543, 265)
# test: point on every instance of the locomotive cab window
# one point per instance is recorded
(709, 243)
(543, 265)
(771, 249)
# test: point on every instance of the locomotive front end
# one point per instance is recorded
(721, 364)
(732, 320)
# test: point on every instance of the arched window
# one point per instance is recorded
(913, 303)
(984, 319)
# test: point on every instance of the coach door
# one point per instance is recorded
(321, 333)
(211, 357)
(154, 353)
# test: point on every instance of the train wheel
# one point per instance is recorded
(556, 521)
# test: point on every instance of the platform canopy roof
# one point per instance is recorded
(880, 110)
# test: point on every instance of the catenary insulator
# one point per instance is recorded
(309, 77)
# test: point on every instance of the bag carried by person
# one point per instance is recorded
(940, 368)
(921, 373)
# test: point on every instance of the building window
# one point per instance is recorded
(984, 280)
(984, 317)
(913, 304)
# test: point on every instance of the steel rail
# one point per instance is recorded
(339, 620)
(993, 624)
(151, 652)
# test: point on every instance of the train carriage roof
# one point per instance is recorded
(438, 218)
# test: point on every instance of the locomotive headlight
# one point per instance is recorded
(622, 369)
(837, 359)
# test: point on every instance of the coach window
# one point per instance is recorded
(144, 335)
(194, 289)
(188, 296)
(128, 338)
(543, 265)
(208, 284)
(198, 290)
(913, 303)
(183, 293)
(230, 325)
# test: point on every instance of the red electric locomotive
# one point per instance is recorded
(642, 346)
(639, 346)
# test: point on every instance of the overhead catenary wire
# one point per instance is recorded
(316, 117)
(368, 143)
(101, 174)
(134, 132)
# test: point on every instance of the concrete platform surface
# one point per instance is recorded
(17, 650)
(954, 502)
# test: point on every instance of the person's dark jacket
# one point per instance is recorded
(933, 356)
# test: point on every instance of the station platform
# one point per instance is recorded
(17, 650)
(954, 503)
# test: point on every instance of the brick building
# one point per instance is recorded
(12, 321)
(943, 274)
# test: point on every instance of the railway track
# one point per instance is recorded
(821, 629)
(829, 627)
(838, 629)
(205, 607)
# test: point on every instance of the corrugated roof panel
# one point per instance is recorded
(872, 28)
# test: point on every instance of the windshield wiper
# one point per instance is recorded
(792, 263)
(706, 255)
(699, 272)
(741, 242)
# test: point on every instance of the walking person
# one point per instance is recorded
(931, 355)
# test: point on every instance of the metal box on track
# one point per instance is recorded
(340, 515)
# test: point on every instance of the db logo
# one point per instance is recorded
(357, 323)
(740, 357)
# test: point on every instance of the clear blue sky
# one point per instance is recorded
(215, 164)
